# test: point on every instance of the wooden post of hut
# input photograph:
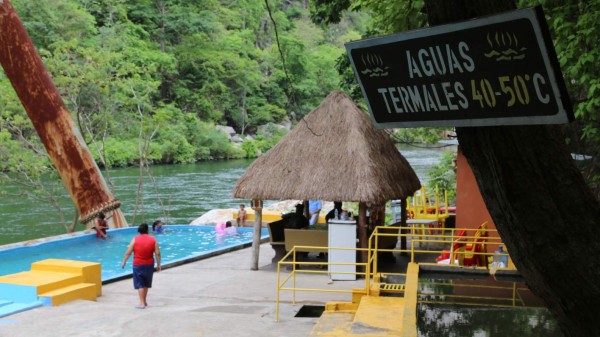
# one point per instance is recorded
(257, 206)
(403, 215)
(53, 122)
(362, 230)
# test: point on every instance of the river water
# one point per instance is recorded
(179, 194)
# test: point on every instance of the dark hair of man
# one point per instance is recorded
(101, 216)
(143, 228)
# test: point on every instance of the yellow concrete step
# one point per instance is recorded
(379, 315)
(90, 271)
(374, 317)
(83, 291)
(341, 307)
(44, 281)
(333, 324)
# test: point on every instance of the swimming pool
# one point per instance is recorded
(178, 244)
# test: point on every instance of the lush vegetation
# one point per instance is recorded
(147, 81)
(163, 73)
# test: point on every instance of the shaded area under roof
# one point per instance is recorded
(334, 153)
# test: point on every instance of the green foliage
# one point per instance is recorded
(50, 21)
(418, 135)
(236, 152)
(119, 65)
(120, 152)
(268, 137)
(327, 11)
(249, 148)
(443, 176)
(575, 32)
(147, 81)
(389, 16)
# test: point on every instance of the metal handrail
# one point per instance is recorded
(409, 231)
(285, 260)
(371, 265)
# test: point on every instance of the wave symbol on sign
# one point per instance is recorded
(374, 66)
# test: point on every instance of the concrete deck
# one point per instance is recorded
(218, 296)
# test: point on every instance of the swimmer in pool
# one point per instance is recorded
(157, 226)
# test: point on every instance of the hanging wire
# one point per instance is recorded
(291, 94)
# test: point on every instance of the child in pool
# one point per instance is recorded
(157, 226)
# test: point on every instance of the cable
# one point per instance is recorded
(292, 94)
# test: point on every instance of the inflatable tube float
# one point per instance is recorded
(220, 228)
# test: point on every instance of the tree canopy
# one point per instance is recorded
(169, 70)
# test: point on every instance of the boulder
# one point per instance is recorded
(228, 130)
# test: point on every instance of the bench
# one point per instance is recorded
(277, 239)
(283, 239)
(306, 237)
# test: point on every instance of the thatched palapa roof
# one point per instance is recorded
(334, 153)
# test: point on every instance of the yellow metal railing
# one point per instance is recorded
(513, 299)
(419, 206)
(290, 261)
(428, 236)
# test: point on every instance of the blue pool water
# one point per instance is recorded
(177, 244)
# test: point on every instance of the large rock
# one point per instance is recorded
(228, 130)
(265, 128)
(214, 217)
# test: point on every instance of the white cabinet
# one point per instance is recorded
(342, 234)
(396, 211)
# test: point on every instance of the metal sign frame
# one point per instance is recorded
(496, 70)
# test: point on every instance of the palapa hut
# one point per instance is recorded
(334, 153)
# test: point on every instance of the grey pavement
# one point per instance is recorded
(218, 296)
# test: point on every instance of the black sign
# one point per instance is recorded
(497, 70)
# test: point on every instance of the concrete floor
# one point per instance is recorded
(218, 296)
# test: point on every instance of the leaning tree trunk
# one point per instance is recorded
(53, 122)
(542, 207)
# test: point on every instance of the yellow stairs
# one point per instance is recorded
(373, 315)
(54, 282)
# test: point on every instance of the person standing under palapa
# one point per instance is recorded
(295, 220)
(314, 208)
(337, 206)
(144, 248)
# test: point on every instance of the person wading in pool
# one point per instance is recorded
(144, 248)
(101, 226)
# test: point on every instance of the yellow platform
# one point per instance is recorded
(90, 271)
(373, 315)
(53, 282)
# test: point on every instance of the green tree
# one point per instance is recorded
(442, 177)
(576, 34)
